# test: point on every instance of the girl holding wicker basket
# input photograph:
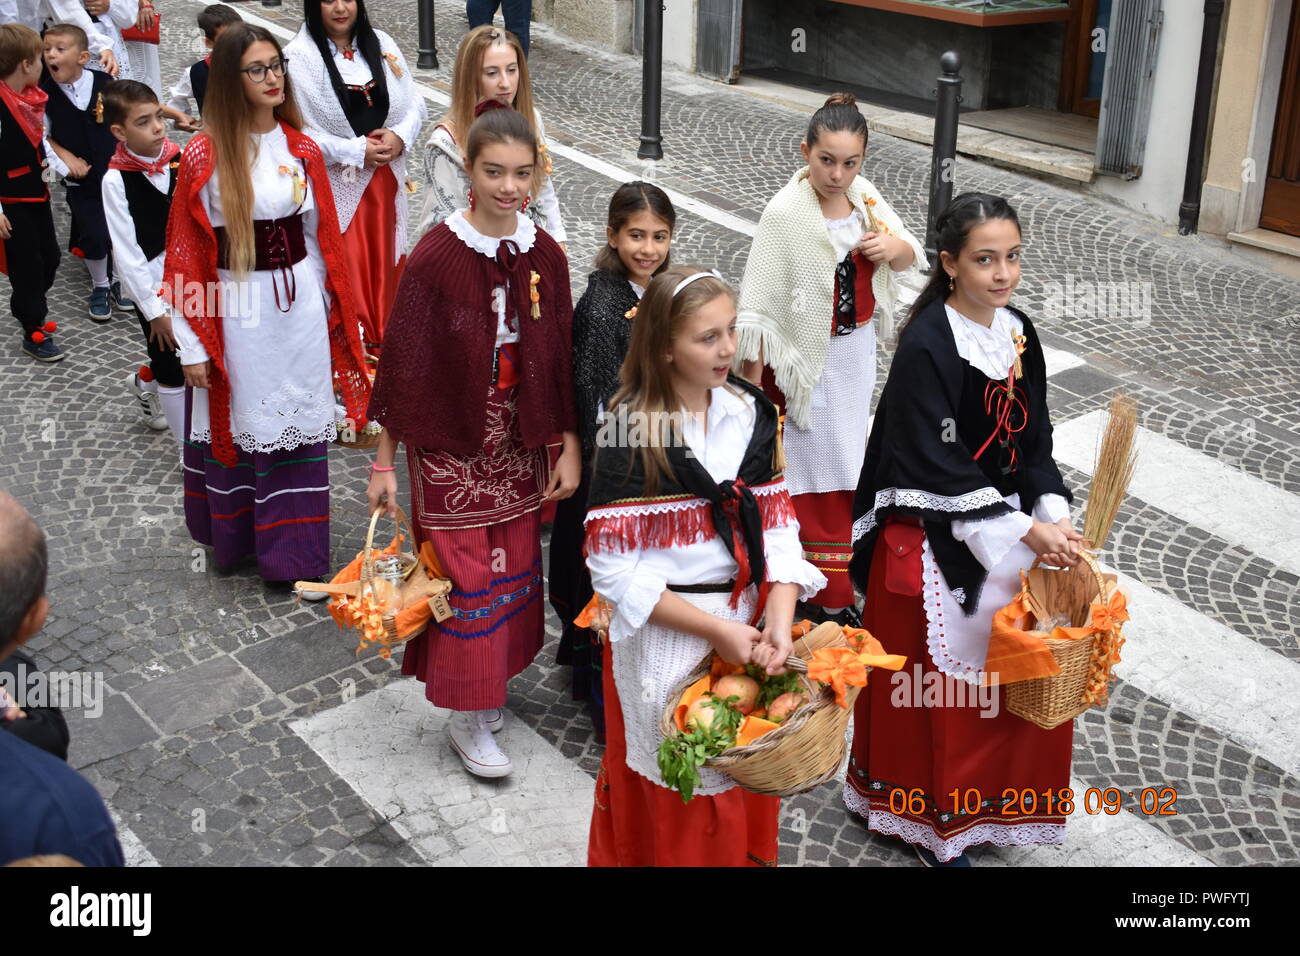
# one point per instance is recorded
(957, 496)
(691, 536)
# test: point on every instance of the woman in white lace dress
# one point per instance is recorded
(490, 65)
(264, 323)
(358, 102)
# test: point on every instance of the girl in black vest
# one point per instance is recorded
(958, 494)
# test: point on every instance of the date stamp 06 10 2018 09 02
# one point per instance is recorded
(1153, 801)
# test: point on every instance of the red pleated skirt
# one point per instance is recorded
(370, 244)
(638, 823)
(908, 759)
(826, 533)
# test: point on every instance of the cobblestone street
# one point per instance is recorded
(239, 727)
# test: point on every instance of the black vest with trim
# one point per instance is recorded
(79, 131)
(149, 209)
(21, 163)
(199, 82)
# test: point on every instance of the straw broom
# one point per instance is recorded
(1113, 471)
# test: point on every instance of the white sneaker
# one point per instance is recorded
(475, 745)
(313, 595)
(495, 719)
(147, 401)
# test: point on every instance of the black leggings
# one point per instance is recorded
(165, 365)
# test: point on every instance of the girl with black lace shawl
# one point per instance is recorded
(638, 232)
(958, 494)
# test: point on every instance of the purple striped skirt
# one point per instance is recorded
(274, 505)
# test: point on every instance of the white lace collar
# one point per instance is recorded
(990, 350)
(524, 235)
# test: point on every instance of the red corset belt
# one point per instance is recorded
(279, 244)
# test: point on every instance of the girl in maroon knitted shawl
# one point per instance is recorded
(474, 378)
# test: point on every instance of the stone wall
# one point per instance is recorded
(603, 23)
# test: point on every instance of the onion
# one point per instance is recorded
(738, 685)
(785, 705)
(701, 714)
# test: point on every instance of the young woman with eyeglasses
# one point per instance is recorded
(267, 331)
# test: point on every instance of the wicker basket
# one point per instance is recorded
(807, 750)
(1051, 701)
(421, 596)
(362, 439)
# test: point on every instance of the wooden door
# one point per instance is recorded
(1083, 68)
(1281, 211)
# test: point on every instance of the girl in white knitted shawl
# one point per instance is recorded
(357, 100)
(825, 260)
(490, 65)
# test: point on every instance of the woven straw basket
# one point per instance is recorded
(1051, 701)
(807, 750)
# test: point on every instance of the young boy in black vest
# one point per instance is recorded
(137, 199)
(82, 146)
(26, 224)
(194, 81)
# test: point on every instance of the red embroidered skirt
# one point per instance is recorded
(826, 532)
(908, 759)
(370, 245)
(638, 823)
(481, 515)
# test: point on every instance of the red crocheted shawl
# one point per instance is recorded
(435, 372)
(192, 258)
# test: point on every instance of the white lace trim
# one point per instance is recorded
(998, 834)
(524, 235)
(915, 498)
(292, 437)
(666, 507)
(945, 644)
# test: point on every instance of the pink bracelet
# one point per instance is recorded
(374, 467)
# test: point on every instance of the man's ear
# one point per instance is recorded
(118, 131)
(29, 626)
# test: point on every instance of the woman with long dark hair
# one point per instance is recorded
(958, 494)
(266, 328)
(358, 102)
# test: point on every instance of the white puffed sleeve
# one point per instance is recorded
(785, 561)
(989, 540)
(630, 585)
(1051, 508)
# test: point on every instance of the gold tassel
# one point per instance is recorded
(1019, 341)
(534, 296)
(99, 109)
(392, 65)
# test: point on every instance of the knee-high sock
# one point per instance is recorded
(98, 272)
(173, 406)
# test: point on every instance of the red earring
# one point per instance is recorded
(524, 207)
(471, 200)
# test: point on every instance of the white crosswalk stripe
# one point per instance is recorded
(391, 747)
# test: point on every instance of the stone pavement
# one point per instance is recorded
(239, 727)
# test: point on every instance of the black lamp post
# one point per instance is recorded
(652, 51)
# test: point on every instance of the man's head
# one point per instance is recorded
(67, 51)
(23, 563)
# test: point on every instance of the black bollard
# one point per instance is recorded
(270, 3)
(943, 161)
(652, 51)
(427, 58)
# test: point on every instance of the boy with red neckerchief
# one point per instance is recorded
(31, 250)
(137, 193)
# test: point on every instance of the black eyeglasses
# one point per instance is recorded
(257, 72)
